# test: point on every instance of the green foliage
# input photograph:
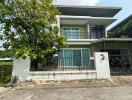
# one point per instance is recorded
(124, 30)
(2, 1)
(30, 29)
(5, 72)
(6, 53)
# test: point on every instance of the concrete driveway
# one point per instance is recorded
(119, 89)
(78, 93)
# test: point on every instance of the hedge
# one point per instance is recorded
(5, 71)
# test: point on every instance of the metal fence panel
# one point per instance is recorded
(62, 64)
(120, 64)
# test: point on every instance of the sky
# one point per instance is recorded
(125, 4)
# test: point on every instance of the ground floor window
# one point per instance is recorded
(74, 58)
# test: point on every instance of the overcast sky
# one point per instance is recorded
(125, 4)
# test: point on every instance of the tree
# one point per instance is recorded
(125, 29)
(30, 29)
(2, 1)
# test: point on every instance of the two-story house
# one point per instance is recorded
(85, 30)
(84, 27)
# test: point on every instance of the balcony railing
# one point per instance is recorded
(82, 35)
(76, 35)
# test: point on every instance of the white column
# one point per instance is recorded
(106, 33)
(58, 23)
(21, 68)
(88, 30)
(102, 65)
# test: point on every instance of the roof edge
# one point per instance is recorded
(81, 6)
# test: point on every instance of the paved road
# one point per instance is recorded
(80, 93)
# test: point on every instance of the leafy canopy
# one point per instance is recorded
(29, 28)
(6, 53)
(123, 30)
(2, 1)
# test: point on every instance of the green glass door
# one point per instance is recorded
(74, 58)
(77, 58)
(85, 58)
(68, 59)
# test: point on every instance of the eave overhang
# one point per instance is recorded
(93, 41)
(83, 20)
(113, 40)
(94, 11)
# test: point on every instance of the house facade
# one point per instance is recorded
(85, 30)
(90, 53)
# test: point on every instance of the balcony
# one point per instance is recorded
(76, 35)
(83, 35)
(83, 31)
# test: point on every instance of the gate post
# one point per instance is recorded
(21, 68)
(102, 65)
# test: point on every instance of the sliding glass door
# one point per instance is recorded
(77, 58)
(71, 32)
(85, 57)
(67, 57)
(74, 58)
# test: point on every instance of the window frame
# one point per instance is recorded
(81, 54)
(71, 31)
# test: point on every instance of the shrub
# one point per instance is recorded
(5, 71)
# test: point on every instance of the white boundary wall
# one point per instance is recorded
(102, 65)
(63, 75)
(21, 68)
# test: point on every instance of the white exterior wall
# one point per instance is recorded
(63, 75)
(21, 68)
(102, 65)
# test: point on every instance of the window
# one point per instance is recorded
(97, 31)
(74, 57)
(71, 32)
